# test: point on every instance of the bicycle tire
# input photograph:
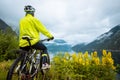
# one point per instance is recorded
(12, 68)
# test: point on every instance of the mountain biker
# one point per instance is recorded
(32, 27)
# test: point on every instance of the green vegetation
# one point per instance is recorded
(76, 66)
(8, 42)
(81, 66)
(4, 67)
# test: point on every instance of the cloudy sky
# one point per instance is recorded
(75, 21)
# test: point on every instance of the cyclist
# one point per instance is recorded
(32, 27)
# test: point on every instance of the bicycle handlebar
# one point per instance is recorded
(48, 39)
(28, 39)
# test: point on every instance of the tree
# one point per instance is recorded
(8, 42)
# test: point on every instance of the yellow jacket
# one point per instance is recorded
(32, 27)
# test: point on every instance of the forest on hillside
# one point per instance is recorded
(8, 43)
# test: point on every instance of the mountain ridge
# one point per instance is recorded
(109, 41)
(3, 25)
(58, 45)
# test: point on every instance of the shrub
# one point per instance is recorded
(83, 66)
(8, 42)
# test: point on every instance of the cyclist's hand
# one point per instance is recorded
(51, 38)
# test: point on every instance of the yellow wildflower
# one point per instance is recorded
(97, 61)
(110, 61)
(67, 55)
(103, 61)
(74, 57)
(104, 52)
(109, 55)
(95, 53)
(80, 55)
(87, 62)
(92, 55)
(80, 60)
(64, 60)
(86, 54)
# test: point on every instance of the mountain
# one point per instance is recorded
(109, 41)
(78, 46)
(58, 45)
(3, 25)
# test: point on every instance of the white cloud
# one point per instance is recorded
(73, 20)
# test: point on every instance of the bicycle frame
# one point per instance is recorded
(31, 57)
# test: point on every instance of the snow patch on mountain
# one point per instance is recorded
(104, 36)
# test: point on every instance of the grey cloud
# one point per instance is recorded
(79, 18)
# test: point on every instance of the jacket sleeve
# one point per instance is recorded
(41, 28)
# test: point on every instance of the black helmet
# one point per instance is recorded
(29, 8)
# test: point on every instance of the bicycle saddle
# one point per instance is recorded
(26, 37)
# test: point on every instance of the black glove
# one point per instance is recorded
(51, 38)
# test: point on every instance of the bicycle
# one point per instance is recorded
(28, 65)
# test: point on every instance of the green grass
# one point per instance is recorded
(4, 67)
(3, 75)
